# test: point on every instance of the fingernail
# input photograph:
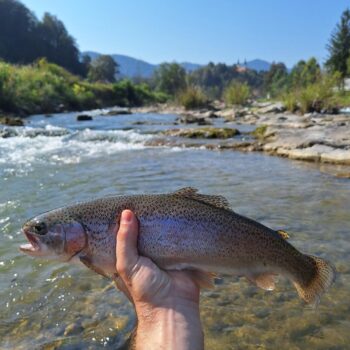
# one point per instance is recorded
(126, 217)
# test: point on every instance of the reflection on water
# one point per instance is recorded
(49, 305)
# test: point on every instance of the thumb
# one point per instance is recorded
(126, 250)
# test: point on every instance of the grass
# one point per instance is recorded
(45, 88)
(237, 93)
(193, 98)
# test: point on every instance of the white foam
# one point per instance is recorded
(19, 153)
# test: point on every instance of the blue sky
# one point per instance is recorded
(199, 30)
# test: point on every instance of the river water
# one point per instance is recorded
(55, 161)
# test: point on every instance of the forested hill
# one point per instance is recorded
(132, 67)
(24, 38)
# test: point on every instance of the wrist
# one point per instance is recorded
(173, 325)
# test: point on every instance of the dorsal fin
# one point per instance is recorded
(215, 201)
(283, 234)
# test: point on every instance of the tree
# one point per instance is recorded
(23, 38)
(305, 73)
(17, 32)
(57, 45)
(276, 78)
(103, 69)
(170, 78)
(339, 46)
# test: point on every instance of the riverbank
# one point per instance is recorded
(313, 137)
(318, 138)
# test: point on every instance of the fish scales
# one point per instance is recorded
(180, 230)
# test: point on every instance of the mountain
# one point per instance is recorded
(129, 66)
(132, 67)
(258, 65)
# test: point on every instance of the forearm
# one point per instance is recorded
(175, 326)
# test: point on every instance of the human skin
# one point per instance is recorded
(166, 302)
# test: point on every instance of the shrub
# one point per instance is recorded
(43, 87)
(290, 101)
(237, 93)
(192, 98)
(315, 97)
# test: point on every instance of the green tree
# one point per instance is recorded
(305, 73)
(339, 46)
(170, 78)
(57, 45)
(103, 69)
(276, 79)
(17, 32)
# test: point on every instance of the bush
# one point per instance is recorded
(317, 97)
(237, 93)
(290, 101)
(43, 87)
(192, 98)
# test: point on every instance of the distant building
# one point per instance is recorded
(241, 69)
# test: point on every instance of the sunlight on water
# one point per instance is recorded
(55, 306)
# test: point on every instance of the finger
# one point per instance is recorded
(126, 249)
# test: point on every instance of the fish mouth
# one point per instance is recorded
(33, 246)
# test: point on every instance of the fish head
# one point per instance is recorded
(52, 237)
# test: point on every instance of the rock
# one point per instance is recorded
(116, 111)
(272, 108)
(339, 156)
(313, 153)
(241, 112)
(5, 133)
(84, 117)
(193, 119)
(228, 114)
(11, 121)
(73, 329)
(206, 133)
(343, 175)
(260, 131)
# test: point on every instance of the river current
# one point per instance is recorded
(55, 161)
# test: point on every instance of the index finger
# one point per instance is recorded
(126, 247)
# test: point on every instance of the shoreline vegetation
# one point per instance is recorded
(57, 78)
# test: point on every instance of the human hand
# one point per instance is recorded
(166, 302)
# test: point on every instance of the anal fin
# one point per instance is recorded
(265, 281)
(283, 234)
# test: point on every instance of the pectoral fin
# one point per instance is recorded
(88, 263)
(265, 281)
(202, 278)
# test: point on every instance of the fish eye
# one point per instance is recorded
(40, 228)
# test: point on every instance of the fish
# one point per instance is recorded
(182, 230)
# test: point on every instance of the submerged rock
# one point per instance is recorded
(11, 121)
(73, 329)
(84, 117)
(206, 133)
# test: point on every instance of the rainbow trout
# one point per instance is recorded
(180, 230)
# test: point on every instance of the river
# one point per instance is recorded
(55, 161)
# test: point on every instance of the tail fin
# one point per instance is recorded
(322, 279)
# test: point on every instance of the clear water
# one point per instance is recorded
(48, 305)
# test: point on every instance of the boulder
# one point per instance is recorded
(84, 117)
(11, 121)
(205, 133)
(193, 119)
(272, 108)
